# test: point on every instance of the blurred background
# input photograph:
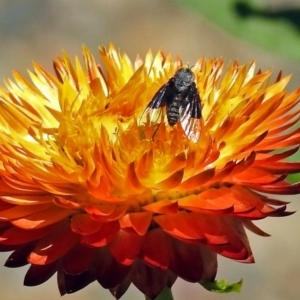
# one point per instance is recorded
(265, 31)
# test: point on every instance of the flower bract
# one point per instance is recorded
(92, 189)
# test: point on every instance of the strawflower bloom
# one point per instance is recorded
(92, 189)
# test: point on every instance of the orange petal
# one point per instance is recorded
(84, 225)
(163, 207)
(43, 218)
(22, 211)
(197, 180)
(179, 225)
(171, 182)
(132, 181)
(64, 203)
(102, 191)
(254, 175)
(214, 200)
(139, 221)
(118, 212)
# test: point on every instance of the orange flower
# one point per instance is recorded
(92, 191)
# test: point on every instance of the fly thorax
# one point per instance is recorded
(183, 79)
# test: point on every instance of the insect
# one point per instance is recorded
(181, 98)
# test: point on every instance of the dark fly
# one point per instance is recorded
(181, 99)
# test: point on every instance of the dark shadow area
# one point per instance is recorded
(291, 15)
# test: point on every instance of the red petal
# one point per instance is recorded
(104, 236)
(79, 259)
(237, 246)
(243, 164)
(192, 262)
(54, 246)
(109, 272)
(17, 236)
(37, 275)
(210, 227)
(3, 204)
(250, 226)
(149, 280)
(69, 284)
(119, 290)
(125, 247)
(290, 139)
(246, 203)
(171, 278)
(279, 189)
(19, 257)
(267, 159)
(156, 249)
(8, 248)
(283, 167)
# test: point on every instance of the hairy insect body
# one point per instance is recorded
(180, 86)
(181, 99)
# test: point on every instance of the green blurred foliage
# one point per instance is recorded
(222, 286)
(276, 29)
(293, 178)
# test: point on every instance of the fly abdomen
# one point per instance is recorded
(173, 115)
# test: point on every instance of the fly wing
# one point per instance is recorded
(190, 114)
(159, 100)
